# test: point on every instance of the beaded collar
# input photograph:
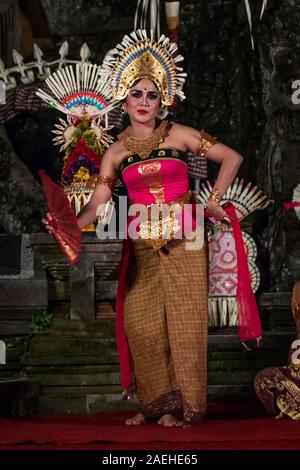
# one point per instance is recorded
(144, 147)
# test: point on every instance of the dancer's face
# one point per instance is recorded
(143, 101)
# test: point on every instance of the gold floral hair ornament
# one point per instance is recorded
(139, 57)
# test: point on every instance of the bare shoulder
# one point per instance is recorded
(182, 130)
(180, 127)
(183, 137)
(113, 150)
(114, 154)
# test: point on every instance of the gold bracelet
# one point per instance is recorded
(107, 180)
(215, 195)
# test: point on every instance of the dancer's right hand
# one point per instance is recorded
(48, 222)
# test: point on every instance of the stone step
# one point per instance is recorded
(275, 310)
(96, 366)
(247, 362)
(216, 359)
(79, 329)
(105, 327)
(74, 390)
(85, 404)
(231, 377)
(281, 319)
(80, 379)
(230, 393)
(69, 402)
(217, 341)
(72, 345)
(108, 357)
(228, 339)
(73, 369)
(109, 375)
(14, 352)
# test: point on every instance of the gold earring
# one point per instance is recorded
(163, 112)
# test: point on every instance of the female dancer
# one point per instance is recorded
(165, 300)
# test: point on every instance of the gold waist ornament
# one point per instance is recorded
(156, 233)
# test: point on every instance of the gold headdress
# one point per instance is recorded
(140, 57)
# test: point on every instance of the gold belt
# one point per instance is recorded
(158, 232)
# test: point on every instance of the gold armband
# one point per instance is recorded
(107, 180)
(206, 142)
(215, 195)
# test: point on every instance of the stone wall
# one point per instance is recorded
(278, 37)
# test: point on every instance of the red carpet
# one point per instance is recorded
(225, 427)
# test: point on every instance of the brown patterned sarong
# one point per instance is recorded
(165, 319)
(278, 388)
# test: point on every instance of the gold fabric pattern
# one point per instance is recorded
(279, 387)
(157, 233)
(206, 142)
(193, 412)
(168, 403)
(152, 178)
(149, 170)
(143, 147)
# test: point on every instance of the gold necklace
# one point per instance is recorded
(143, 147)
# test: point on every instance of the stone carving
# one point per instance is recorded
(21, 199)
(279, 164)
(39, 68)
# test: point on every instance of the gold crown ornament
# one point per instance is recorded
(138, 57)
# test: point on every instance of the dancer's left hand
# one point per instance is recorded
(216, 210)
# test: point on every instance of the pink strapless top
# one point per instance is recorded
(162, 177)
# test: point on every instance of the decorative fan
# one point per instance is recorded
(244, 198)
(231, 300)
(83, 136)
(63, 220)
(78, 93)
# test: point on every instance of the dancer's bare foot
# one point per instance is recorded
(280, 415)
(136, 420)
(169, 421)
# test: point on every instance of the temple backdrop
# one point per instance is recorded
(240, 94)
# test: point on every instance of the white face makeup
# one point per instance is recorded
(144, 95)
(143, 101)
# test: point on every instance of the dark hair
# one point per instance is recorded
(138, 81)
